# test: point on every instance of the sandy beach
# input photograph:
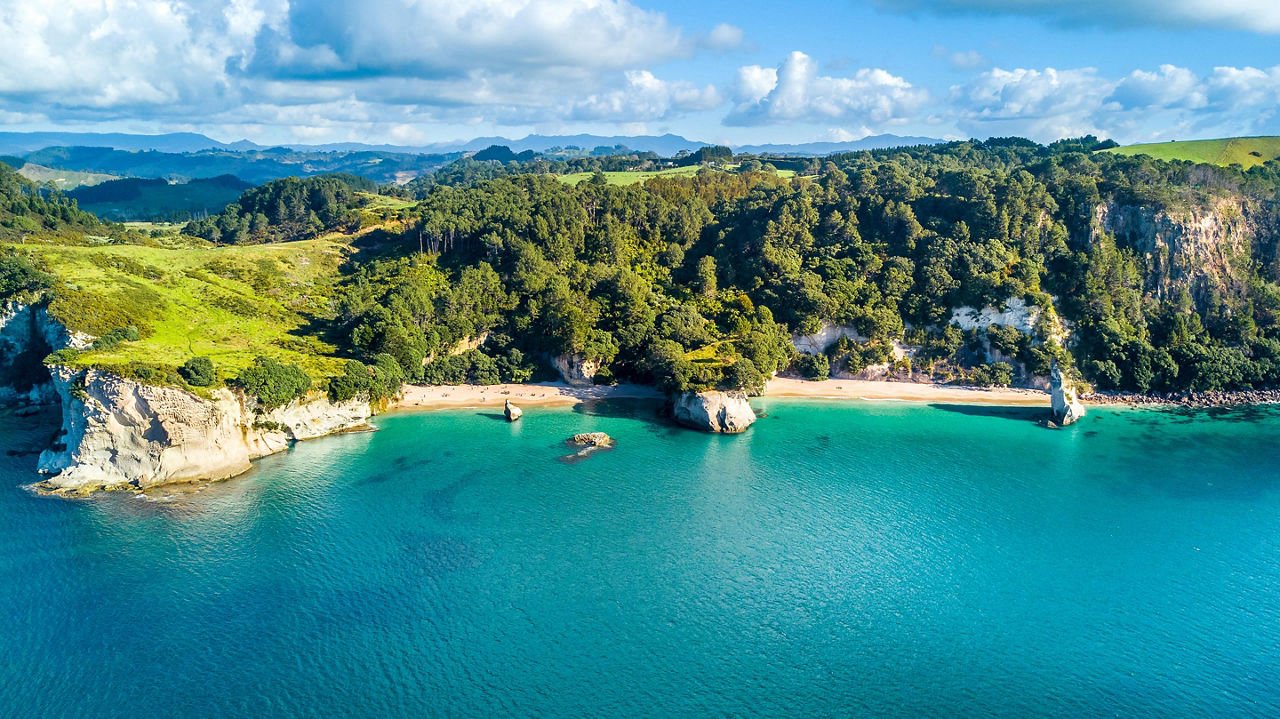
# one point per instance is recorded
(418, 397)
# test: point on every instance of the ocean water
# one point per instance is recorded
(838, 560)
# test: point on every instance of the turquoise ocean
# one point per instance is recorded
(838, 560)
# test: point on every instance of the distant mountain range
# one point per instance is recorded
(18, 143)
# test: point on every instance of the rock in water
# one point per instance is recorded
(593, 439)
(1066, 407)
(726, 412)
(513, 412)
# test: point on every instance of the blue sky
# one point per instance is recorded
(421, 71)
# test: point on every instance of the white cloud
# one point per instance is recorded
(646, 98)
(1170, 86)
(795, 92)
(1261, 16)
(724, 37)
(1050, 104)
(172, 62)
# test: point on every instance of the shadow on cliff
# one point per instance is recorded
(1021, 414)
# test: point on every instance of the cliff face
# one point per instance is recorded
(119, 433)
(576, 370)
(1188, 246)
(27, 335)
(1066, 407)
(720, 412)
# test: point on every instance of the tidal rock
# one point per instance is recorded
(593, 439)
(513, 412)
(723, 412)
(1067, 408)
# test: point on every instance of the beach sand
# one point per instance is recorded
(418, 397)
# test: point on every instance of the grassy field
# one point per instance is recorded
(1246, 151)
(230, 304)
(63, 179)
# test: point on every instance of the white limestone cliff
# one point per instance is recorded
(119, 433)
(1067, 408)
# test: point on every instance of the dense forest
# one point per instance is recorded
(701, 281)
(26, 208)
(698, 281)
(286, 210)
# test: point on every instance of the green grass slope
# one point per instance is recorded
(63, 179)
(1245, 151)
(230, 304)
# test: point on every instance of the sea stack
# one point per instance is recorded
(1066, 407)
(512, 412)
(714, 411)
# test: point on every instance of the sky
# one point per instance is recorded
(414, 72)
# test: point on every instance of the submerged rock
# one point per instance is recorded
(512, 412)
(721, 412)
(593, 439)
(1067, 408)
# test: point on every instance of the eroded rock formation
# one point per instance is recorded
(714, 411)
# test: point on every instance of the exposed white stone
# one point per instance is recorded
(721, 412)
(117, 432)
(576, 370)
(1067, 408)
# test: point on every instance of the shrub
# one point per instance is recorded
(998, 374)
(198, 372)
(113, 338)
(272, 383)
(813, 367)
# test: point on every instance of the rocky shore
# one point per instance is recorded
(1185, 399)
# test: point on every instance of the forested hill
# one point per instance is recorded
(26, 208)
(1134, 274)
(1165, 273)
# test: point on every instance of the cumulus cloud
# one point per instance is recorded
(1049, 104)
(646, 98)
(246, 61)
(796, 92)
(1261, 16)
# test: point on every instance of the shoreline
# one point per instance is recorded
(437, 397)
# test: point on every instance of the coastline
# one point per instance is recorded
(434, 397)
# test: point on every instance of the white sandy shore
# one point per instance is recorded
(456, 396)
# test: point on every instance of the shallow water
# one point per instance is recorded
(839, 559)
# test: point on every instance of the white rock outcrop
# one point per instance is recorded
(576, 370)
(511, 411)
(27, 334)
(119, 433)
(721, 412)
(1067, 408)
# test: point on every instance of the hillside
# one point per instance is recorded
(1244, 151)
(230, 304)
(28, 209)
(152, 200)
(65, 180)
(1167, 275)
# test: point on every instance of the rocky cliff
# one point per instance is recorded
(1186, 246)
(722, 412)
(576, 370)
(1067, 409)
(27, 335)
(118, 433)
